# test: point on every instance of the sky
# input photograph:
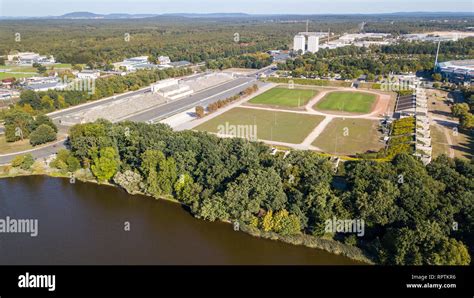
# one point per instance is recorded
(59, 7)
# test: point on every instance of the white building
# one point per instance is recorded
(46, 86)
(313, 44)
(164, 60)
(132, 64)
(4, 95)
(88, 74)
(29, 58)
(299, 43)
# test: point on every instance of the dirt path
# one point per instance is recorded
(317, 131)
(447, 134)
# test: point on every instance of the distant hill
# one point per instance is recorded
(208, 15)
(81, 15)
(89, 15)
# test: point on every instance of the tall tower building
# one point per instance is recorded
(299, 43)
(313, 44)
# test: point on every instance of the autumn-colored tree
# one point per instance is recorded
(199, 111)
(267, 222)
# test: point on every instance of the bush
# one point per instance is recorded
(43, 119)
(200, 111)
(17, 161)
(65, 161)
(73, 164)
(43, 134)
(24, 162)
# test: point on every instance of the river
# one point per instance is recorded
(86, 224)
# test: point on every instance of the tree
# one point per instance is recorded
(186, 190)
(73, 164)
(213, 209)
(43, 119)
(466, 121)
(200, 111)
(166, 175)
(437, 77)
(39, 67)
(460, 109)
(17, 125)
(106, 164)
(43, 134)
(285, 223)
(267, 222)
(129, 180)
(259, 188)
(426, 245)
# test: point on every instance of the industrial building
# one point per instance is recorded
(313, 43)
(299, 43)
(306, 42)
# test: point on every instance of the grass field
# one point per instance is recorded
(16, 68)
(349, 136)
(463, 142)
(4, 75)
(15, 71)
(272, 126)
(284, 97)
(439, 141)
(351, 102)
(6, 147)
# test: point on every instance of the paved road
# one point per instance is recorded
(201, 98)
(155, 114)
(58, 114)
(36, 153)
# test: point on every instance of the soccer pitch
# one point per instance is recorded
(284, 97)
(272, 126)
(349, 136)
(351, 102)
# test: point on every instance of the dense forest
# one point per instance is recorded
(414, 214)
(101, 42)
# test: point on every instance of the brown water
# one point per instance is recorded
(83, 223)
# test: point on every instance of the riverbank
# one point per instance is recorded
(40, 168)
